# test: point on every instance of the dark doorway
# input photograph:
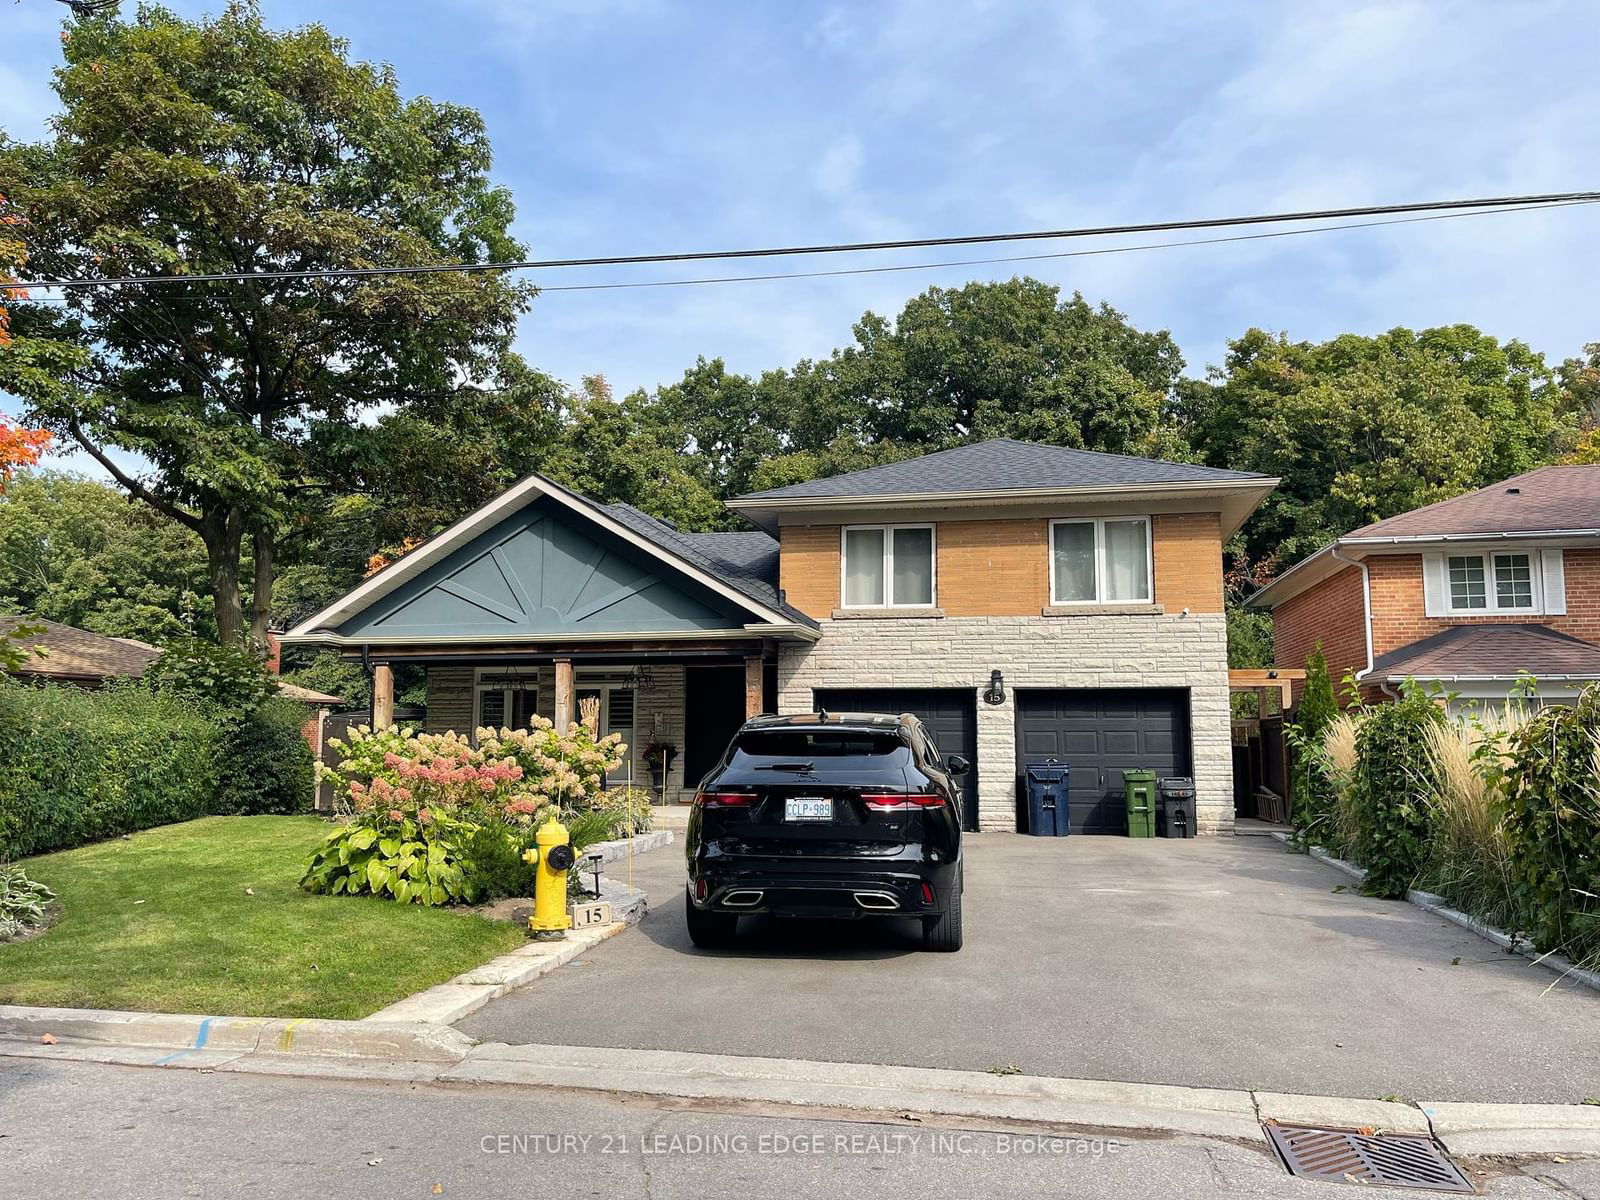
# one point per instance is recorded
(713, 710)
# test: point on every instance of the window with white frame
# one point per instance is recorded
(887, 566)
(1100, 560)
(504, 697)
(1491, 583)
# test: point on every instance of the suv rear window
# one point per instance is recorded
(817, 743)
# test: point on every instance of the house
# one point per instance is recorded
(1469, 593)
(91, 660)
(1025, 601)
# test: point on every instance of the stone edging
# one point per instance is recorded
(1439, 907)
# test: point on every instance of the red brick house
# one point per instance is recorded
(1467, 593)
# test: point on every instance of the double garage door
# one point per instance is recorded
(949, 713)
(1099, 734)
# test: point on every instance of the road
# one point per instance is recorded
(1216, 962)
(83, 1131)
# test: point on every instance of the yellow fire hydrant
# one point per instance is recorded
(554, 858)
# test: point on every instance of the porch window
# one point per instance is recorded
(1490, 583)
(888, 566)
(504, 699)
(1103, 560)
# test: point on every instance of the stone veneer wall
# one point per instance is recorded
(1088, 651)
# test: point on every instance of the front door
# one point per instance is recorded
(713, 710)
(616, 716)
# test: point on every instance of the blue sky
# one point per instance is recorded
(641, 125)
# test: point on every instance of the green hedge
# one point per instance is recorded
(1393, 784)
(264, 765)
(76, 766)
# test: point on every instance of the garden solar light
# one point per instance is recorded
(594, 865)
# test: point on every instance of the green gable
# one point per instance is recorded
(544, 571)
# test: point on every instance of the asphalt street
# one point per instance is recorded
(82, 1131)
(1224, 962)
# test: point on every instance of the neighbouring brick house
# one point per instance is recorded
(1466, 593)
(1025, 601)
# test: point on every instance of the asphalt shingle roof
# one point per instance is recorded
(1546, 500)
(747, 561)
(1002, 464)
(1499, 650)
(73, 653)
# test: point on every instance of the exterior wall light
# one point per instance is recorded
(995, 693)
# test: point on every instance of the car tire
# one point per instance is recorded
(709, 930)
(943, 933)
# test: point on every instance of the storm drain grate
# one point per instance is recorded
(1344, 1156)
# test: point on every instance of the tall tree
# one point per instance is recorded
(219, 146)
(1361, 428)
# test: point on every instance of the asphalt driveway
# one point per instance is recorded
(1224, 961)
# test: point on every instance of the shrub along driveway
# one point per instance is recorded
(1225, 962)
(207, 917)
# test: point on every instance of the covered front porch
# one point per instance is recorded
(674, 706)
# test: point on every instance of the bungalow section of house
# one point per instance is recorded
(1474, 594)
(1027, 602)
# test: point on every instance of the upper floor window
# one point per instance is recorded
(887, 566)
(1489, 583)
(1105, 560)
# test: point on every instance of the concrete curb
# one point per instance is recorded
(448, 1002)
(1080, 1103)
(1439, 907)
(421, 1053)
(642, 843)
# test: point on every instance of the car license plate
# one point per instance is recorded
(807, 808)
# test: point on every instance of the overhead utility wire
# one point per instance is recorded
(1492, 202)
(1015, 258)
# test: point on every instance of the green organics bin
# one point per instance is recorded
(1139, 790)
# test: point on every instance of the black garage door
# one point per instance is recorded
(949, 713)
(1099, 734)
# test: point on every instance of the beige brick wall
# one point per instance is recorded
(1002, 568)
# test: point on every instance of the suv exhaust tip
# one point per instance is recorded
(877, 901)
(742, 898)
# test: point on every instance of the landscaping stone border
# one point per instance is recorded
(1440, 907)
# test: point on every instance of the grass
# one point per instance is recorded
(200, 943)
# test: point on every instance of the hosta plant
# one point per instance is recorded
(22, 902)
(414, 860)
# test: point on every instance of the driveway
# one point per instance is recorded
(1222, 961)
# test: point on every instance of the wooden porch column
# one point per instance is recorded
(753, 675)
(566, 713)
(382, 695)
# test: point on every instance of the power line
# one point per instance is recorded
(967, 262)
(1489, 203)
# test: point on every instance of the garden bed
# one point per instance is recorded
(208, 917)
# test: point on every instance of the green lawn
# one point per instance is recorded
(199, 943)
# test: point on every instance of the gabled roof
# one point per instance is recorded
(1005, 465)
(1547, 500)
(1491, 652)
(721, 573)
(76, 654)
(747, 560)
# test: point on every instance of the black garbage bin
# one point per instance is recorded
(1175, 807)
(1047, 799)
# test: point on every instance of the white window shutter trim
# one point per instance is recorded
(1555, 581)
(1434, 600)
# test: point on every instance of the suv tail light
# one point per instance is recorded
(900, 801)
(723, 799)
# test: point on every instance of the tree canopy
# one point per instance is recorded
(217, 145)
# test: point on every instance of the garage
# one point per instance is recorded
(949, 713)
(1099, 733)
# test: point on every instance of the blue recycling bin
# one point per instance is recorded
(1047, 799)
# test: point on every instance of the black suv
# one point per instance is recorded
(828, 815)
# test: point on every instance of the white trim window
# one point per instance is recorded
(502, 698)
(886, 566)
(1101, 560)
(1492, 583)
